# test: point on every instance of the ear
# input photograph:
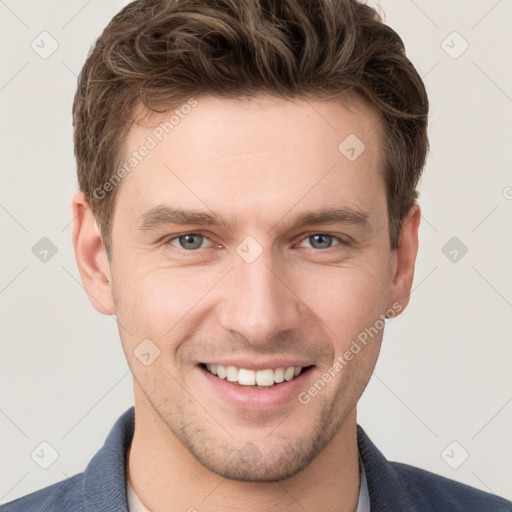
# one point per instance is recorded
(404, 259)
(91, 256)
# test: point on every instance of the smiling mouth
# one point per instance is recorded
(258, 379)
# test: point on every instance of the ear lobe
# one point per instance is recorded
(91, 256)
(404, 259)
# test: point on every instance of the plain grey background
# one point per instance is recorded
(441, 395)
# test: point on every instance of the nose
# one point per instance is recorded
(259, 302)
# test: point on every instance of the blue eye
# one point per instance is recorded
(189, 241)
(194, 241)
(321, 241)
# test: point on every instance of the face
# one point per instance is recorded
(247, 242)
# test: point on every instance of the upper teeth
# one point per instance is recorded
(251, 377)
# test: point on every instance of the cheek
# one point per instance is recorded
(159, 304)
(152, 313)
(347, 300)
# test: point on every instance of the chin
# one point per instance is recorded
(265, 470)
(261, 462)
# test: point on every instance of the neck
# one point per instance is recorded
(163, 471)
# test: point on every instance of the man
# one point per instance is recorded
(247, 210)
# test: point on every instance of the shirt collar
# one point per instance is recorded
(105, 476)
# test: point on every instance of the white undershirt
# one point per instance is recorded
(363, 505)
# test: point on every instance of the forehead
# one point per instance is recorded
(255, 155)
(259, 123)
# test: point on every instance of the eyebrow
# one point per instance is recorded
(164, 215)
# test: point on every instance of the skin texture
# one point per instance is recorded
(259, 162)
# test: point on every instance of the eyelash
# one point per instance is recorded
(342, 241)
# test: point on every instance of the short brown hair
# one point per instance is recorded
(158, 53)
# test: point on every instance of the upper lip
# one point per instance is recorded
(261, 364)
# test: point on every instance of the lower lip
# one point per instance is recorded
(249, 398)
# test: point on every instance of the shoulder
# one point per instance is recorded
(398, 486)
(65, 495)
(438, 493)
